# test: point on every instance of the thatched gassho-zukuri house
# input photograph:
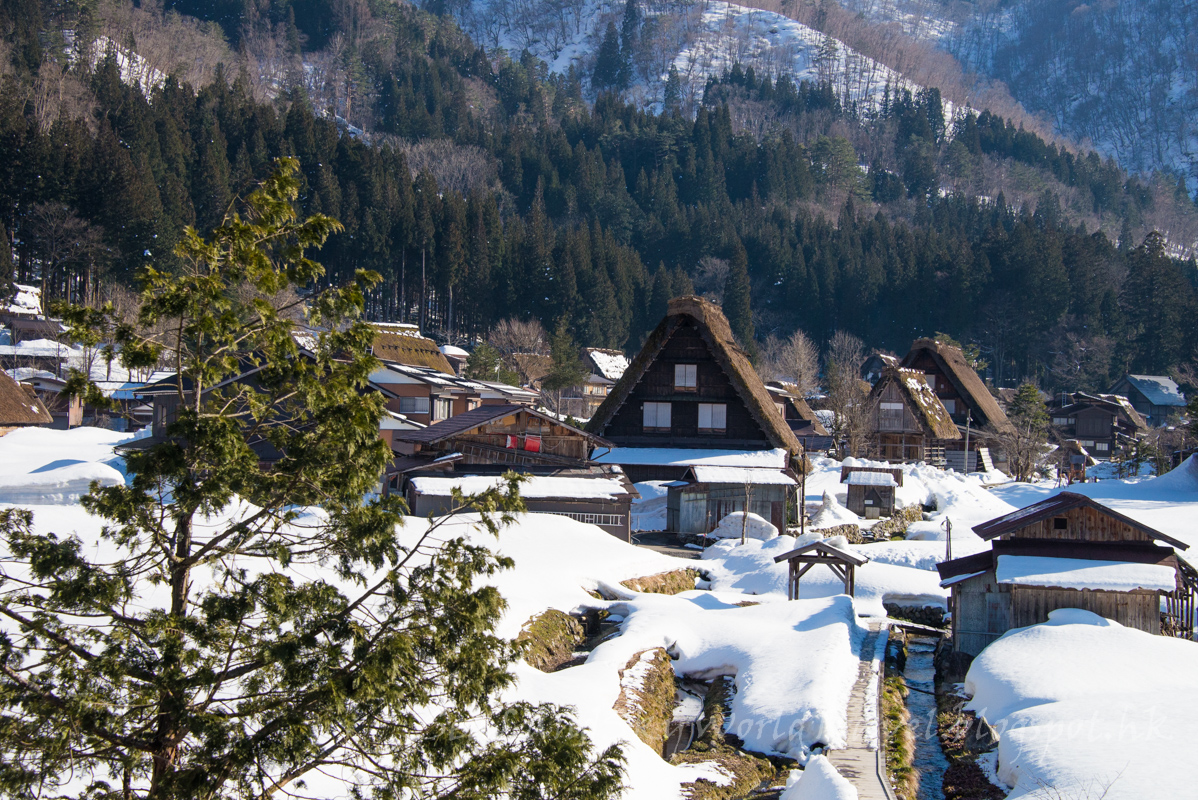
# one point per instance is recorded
(692, 385)
(403, 344)
(20, 406)
(961, 391)
(1068, 551)
(910, 423)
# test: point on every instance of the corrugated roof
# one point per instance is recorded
(714, 329)
(741, 476)
(1160, 390)
(858, 478)
(979, 563)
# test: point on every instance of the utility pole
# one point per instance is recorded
(968, 419)
(948, 539)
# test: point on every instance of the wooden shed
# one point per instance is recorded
(1067, 551)
(596, 496)
(871, 490)
(707, 494)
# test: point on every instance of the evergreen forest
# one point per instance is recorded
(482, 187)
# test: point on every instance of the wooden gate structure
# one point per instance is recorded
(800, 561)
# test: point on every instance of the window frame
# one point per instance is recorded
(684, 373)
(657, 409)
(711, 417)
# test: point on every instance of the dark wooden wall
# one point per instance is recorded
(1083, 524)
(685, 346)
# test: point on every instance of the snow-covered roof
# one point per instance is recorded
(610, 363)
(27, 300)
(681, 457)
(453, 352)
(871, 479)
(536, 487)
(1160, 390)
(42, 348)
(742, 475)
(1080, 573)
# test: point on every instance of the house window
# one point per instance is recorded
(657, 416)
(713, 417)
(890, 416)
(1102, 447)
(950, 405)
(781, 409)
(413, 405)
(685, 377)
(443, 408)
(1087, 442)
(1059, 523)
(1062, 421)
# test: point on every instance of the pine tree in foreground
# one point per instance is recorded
(245, 632)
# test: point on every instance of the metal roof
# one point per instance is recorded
(1159, 390)
(1059, 504)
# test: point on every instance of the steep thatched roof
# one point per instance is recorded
(931, 414)
(715, 331)
(19, 405)
(409, 348)
(965, 380)
(788, 393)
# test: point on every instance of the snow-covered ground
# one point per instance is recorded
(1086, 708)
(793, 663)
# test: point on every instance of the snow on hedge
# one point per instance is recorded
(1087, 708)
(735, 524)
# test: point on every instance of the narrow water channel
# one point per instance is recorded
(920, 675)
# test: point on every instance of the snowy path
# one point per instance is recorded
(863, 762)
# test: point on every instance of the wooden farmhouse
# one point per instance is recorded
(799, 415)
(20, 407)
(691, 389)
(967, 400)
(909, 422)
(871, 490)
(1100, 423)
(501, 434)
(692, 386)
(593, 495)
(1068, 551)
(1157, 397)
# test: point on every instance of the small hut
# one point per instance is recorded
(1068, 551)
(842, 562)
(871, 490)
(707, 494)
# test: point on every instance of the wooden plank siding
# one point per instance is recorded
(686, 346)
(1082, 524)
(1140, 610)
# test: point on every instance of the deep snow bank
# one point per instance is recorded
(1087, 708)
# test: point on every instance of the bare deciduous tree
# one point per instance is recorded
(794, 361)
(513, 336)
(846, 398)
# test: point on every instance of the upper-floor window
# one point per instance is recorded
(686, 377)
(890, 416)
(413, 405)
(950, 405)
(443, 409)
(1062, 421)
(713, 417)
(656, 416)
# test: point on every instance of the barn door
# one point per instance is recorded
(998, 612)
(778, 515)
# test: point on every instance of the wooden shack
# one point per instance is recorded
(871, 490)
(909, 422)
(501, 434)
(707, 494)
(595, 495)
(1067, 551)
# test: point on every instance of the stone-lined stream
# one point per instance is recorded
(920, 674)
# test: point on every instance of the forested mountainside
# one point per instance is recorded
(1122, 76)
(483, 186)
